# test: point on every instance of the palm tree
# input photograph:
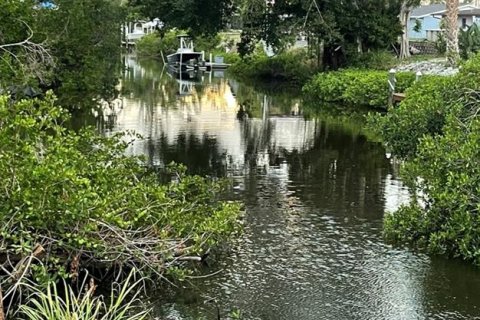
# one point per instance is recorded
(451, 20)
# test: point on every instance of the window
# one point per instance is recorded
(464, 22)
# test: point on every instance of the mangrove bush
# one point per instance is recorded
(73, 200)
(354, 87)
(292, 66)
(436, 130)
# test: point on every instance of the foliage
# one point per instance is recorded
(84, 38)
(228, 57)
(152, 45)
(82, 304)
(441, 43)
(422, 112)
(333, 27)
(355, 87)
(199, 17)
(73, 49)
(20, 58)
(377, 60)
(439, 132)
(292, 66)
(78, 195)
(418, 25)
(469, 41)
(207, 43)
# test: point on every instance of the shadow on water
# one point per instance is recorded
(315, 189)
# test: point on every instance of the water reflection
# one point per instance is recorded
(315, 192)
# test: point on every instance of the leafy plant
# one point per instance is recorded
(418, 25)
(469, 41)
(82, 304)
(441, 43)
(422, 112)
(154, 44)
(77, 194)
(355, 87)
(377, 60)
(292, 66)
(437, 130)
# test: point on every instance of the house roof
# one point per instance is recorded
(465, 10)
(469, 12)
(423, 11)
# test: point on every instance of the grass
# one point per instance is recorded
(83, 305)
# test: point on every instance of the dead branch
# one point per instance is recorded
(30, 55)
(2, 313)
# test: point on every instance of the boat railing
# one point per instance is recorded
(186, 45)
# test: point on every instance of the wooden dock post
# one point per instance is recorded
(392, 81)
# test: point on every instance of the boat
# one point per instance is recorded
(185, 57)
(186, 79)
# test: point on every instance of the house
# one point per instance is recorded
(467, 15)
(424, 23)
(133, 31)
(422, 20)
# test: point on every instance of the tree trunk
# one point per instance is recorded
(404, 43)
(451, 20)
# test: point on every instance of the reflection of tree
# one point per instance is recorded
(346, 171)
(451, 285)
(281, 99)
(147, 81)
(201, 156)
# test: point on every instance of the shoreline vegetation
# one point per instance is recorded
(73, 201)
(436, 130)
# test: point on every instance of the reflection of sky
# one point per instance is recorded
(396, 194)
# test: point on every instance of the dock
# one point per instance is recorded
(398, 97)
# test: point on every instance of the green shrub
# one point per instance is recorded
(422, 112)
(377, 60)
(78, 194)
(437, 130)
(355, 87)
(448, 166)
(292, 66)
(469, 41)
(441, 43)
(426, 107)
(207, 43)
(152, 45)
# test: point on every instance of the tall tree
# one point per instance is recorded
(84, 37)
(197, 16)
(451, 20)
(335, 29)
(23, 54)
(406, 8)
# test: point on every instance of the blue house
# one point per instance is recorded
(424, 23)
(423, 18)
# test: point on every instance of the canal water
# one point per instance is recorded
(315, 190)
